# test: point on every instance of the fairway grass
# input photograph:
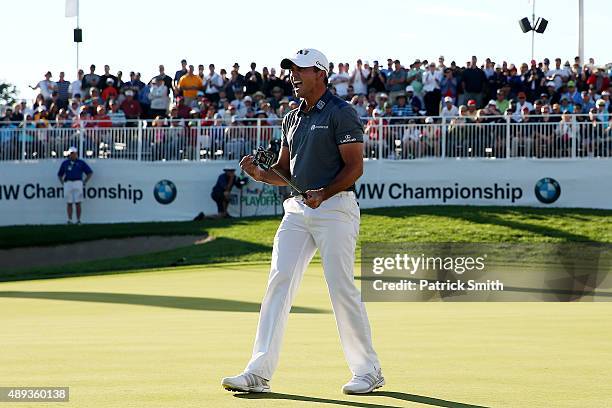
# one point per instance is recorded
(165, 339)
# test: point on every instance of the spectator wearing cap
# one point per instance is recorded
(522, 103)
(359, 79)
(109, 92)
(222, 189)
(376, 79)
(472, 109)
(501, 102)
(449, 110)
(605, 96)
(340, 81)
(473, 82)
(254, 80)
(603, 115)
(90, 80)
(189, 85)
(572, 93)
(431, 90)
(213, 84)
(586, 102)
(46, 86)
(70, 175)
(401, 108)
(414, 77)
(258, 98)
(396, 81)
(158, 95)
(131, 107)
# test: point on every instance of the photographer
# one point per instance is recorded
(221, 191)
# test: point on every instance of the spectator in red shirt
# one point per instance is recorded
(599, 79)
(130, 106)
(102, 119)
(183, 109)
(110, 92)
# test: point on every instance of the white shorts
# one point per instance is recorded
(73, 191)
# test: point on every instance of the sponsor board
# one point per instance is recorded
(126, 191)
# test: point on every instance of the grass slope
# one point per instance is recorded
(250, 240)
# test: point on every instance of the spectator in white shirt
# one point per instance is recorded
(46, 86)
(213, 84)
(340, 81)
(158, 95)
(431, 90)
(558, 75)
(359, 79)
(449, 110)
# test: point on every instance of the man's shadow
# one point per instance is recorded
(435, 402)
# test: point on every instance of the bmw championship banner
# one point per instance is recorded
(125, 191)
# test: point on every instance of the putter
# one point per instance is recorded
(265, 160)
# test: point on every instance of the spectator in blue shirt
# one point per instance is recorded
(71, 176)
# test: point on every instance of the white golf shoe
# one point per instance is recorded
(246, 382)
(363, 384)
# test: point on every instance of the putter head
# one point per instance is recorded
(264, 158)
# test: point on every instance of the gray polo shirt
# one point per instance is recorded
(313, 138)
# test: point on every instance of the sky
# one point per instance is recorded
(139, 35)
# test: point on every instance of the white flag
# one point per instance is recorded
(72, 7)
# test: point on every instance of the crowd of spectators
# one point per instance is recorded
(391, 93)
(421, 88)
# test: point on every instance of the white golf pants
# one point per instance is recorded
(333, 228)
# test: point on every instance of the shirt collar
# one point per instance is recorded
(321, 103)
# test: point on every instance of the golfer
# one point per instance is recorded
(322, 154)
(71, 176)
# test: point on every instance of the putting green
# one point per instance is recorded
(165, 339)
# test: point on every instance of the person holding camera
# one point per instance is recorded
(222, 189)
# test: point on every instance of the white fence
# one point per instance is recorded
(385, 138)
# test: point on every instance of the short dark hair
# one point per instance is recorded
(325, 80)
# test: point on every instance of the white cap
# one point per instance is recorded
(72, 149)
(409, 88)
(248, 99)
(448, 99)
(307, 57)
(429, 119)
(492, 102)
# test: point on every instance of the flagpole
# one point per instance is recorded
(77, 44)
(581, 31)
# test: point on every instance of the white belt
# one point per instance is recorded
(340, 194)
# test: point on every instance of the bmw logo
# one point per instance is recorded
(164, 192)
(547, 190)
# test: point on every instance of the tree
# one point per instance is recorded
(8, 93)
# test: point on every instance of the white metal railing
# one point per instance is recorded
(384, 138)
